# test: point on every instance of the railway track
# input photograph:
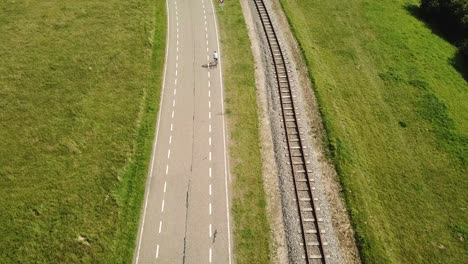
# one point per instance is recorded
(310, 224)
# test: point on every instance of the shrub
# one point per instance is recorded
(450, 15)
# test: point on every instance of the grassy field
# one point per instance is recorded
(79, 92)
(396, 114)
(250, 226)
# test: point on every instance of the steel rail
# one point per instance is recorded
(311, 233)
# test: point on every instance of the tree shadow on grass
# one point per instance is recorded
(459, 63)
(445, 31)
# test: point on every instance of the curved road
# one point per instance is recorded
(186, 208)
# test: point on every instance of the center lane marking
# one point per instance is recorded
(210, 254)
(210, 129)
(210, 211)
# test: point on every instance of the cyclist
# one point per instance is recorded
(215, 57)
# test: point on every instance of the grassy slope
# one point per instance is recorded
(79, 86)
(396, 117)
(251, 229)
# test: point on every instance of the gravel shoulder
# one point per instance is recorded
(278, 247)
(277, 179)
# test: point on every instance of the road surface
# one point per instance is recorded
(186, 209)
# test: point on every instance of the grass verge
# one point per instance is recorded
(250, 226)
(79, 91)
(395, 112)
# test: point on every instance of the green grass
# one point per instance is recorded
(250, 226)
(79, 92)
(395, 111)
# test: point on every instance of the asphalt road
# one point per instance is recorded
(186, 210)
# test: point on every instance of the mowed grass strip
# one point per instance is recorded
(250, 225)
(79, 91)
(396, 115)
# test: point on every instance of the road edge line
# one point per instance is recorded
(153, 152)
(226, 171)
